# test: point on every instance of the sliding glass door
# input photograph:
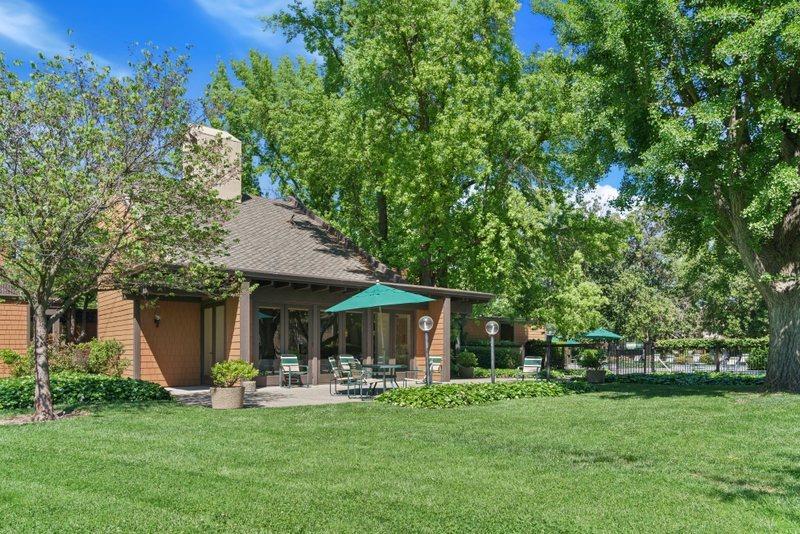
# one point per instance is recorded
(213, 337)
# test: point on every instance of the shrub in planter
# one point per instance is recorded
(467, 362)
(225, 376)
(593, 360)
(75, 389)
(507, 357)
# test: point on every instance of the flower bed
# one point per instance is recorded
(452, 395)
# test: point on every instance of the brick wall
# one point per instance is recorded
(115, 321)
(13, 329)
(171, 350)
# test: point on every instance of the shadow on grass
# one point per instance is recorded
(628, 391)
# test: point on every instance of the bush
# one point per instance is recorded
(226, 374)
(18, 365)
(452, 395)
(707, 358)
(712, 343)
(591, 359)
(92, 357)
(504, 356)
(467, 359)
(79, 389)
(757, 358)
(691, 379)
(480, 372)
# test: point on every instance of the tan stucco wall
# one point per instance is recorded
(13, 329)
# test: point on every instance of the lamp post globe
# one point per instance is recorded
(492, 328)
(426, 325)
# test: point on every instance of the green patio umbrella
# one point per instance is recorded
(378, 296)
(601, 334)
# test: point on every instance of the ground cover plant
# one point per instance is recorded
(626, 458)
(78, 389)
(452, 395)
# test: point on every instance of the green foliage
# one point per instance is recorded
(75, 389)
(453, 395)
(507, 356)
(697, 102)
(467, 359)
(18, 364)
(712, 343)
(226, 374)
(757, 358)
(591, 358)
(481, 372)
(692, 379)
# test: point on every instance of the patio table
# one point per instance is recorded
(387, 370)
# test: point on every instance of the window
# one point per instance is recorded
(354, 329)
(269, 335)
(381, 336)
(329, 339)
(297, 343)
(506, 332)
(402, 338)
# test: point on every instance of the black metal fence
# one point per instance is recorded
(638, 359)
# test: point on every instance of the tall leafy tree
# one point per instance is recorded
(103, 185)
(700, 102)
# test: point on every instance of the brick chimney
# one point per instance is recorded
(230, 185)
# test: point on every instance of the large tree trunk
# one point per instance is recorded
(783, 366)
(43, 398)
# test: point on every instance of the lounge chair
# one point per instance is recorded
(291, 369)
(529, 367)
(351, 367)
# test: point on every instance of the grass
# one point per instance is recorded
(625, 458)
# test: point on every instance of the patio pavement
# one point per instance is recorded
(278, 397)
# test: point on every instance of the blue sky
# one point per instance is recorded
(217, 30)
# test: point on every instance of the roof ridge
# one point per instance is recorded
(348, 243)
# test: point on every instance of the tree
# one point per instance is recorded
(103, 185)
(699, 102)
(408, 135)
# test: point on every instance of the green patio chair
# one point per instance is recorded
(291, 369)
(345, 378)
(417, 376)
(352, 367)
(529, 367)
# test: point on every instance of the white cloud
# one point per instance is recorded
(599, 199)
(244, 16)
(25, 25)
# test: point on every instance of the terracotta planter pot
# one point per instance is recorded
(466, 372)
(596, 376)
(227, 398)
(249, 386)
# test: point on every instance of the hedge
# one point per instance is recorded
(507, 356)
(453, 395)
(742, 343)
(690, 379)
(74, 389)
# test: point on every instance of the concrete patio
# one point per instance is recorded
(280, 397)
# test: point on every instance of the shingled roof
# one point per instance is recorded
(6, 290)
(283, 238)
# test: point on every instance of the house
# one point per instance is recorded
(295, 266)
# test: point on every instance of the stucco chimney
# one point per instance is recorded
(229, 185)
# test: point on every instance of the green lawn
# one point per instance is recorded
(626, 458)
